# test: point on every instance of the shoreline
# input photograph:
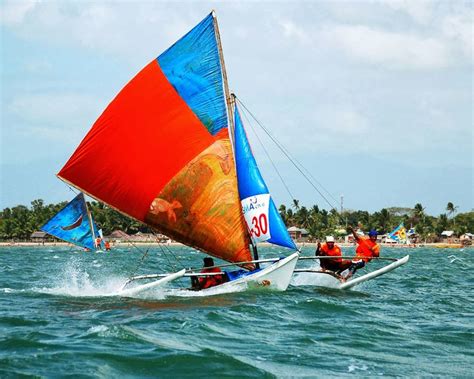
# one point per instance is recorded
(443, 245)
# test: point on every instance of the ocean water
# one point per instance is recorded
(59, 317)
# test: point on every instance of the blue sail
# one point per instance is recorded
(72, 224)
(262, 217)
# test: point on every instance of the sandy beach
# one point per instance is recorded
(441, 245)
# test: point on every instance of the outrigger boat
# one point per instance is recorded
(74, 224)
(170, 151)
(330, 279)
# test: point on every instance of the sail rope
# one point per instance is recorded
(304, 172)
(73, 190)
(268, 155)
(132, 274)
(169, 261)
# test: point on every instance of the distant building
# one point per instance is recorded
(447, 234)
(38, 236)
(297, 233)
(466, 239)
(118, 236)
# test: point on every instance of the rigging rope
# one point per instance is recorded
(295, 162)
(268, 156)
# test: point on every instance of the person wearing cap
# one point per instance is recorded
(330, 249)
(367, 248)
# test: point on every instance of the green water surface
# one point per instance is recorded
(59, 318)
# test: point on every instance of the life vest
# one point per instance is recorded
(211, 280)
(366, 248)
(107, 245)
(334, 252)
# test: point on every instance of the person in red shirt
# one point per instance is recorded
(367, 248)
(208, 281)
(330, 249)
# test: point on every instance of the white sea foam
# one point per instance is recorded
(76, 281)
(8, 290)
(353, 367)
(97, 329)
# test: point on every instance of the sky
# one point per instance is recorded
(373, 98)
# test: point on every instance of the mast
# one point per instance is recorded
(228, 97)
(230, 101)
(89, 216)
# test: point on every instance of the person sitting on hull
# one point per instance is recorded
(203, 282)
(330, 249)
(367, 248)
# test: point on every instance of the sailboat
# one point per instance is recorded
(399, 235)
(174, 155)
(74, 224)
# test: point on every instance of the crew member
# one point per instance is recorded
(367, 248)
(208, 281)
(107, 245)
(330, 249)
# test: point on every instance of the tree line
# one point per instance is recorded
(19, 222)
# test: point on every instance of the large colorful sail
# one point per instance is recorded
(262, 217)
(161, 153)
(73, 224)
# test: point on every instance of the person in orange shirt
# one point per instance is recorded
(330, 249)
(367, 248)
(208, 281)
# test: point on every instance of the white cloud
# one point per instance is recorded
(14, 12)
(460, 29)
(291, 30)
(394, 50)
(421, 11)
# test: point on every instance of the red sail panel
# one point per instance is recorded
(143, 138)
(148, 146)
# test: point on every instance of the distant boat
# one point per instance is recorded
(399, 235)
(174, 155)
(74, 224)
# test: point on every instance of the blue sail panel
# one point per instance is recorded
(260, 213)
(72, 224)
(192, 66)
(279, 233)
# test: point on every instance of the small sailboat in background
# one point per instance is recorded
(172, 159)
(74, 224)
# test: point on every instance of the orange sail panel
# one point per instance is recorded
(160, 152)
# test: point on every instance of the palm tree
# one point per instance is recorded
(296, 204)
(283, 214)
(385, 217)
(419, 213)
(451, 208)
(302, 217)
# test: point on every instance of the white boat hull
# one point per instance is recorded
(276, 276)
(128, 292)
(325, 280)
